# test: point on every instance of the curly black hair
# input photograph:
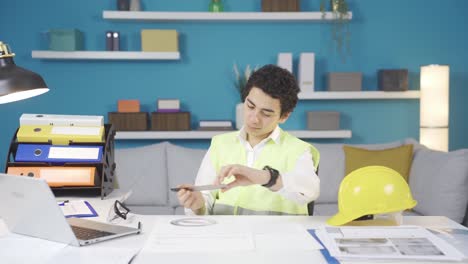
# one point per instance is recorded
(277, 83)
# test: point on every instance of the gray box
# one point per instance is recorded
(344, 81)
(393, 80)
(323, 120)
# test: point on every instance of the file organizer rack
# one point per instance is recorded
(105, 170)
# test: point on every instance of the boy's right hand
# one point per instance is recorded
(192, 200)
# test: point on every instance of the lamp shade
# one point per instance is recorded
(434, 106)
(17, 83)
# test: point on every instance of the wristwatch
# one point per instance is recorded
(274, 174)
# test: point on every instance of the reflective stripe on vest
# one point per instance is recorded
(226, 149)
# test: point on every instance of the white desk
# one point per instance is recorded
(108, 249)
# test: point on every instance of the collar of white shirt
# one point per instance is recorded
(275, 136)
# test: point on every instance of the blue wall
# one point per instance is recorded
(385, 34)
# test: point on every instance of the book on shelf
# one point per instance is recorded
(215, 128)
(168, 105)
(215, 123)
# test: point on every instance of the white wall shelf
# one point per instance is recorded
(222, 16)
(304, 134)
(105, 55)
(358, 95)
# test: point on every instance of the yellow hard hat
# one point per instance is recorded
(371, 190)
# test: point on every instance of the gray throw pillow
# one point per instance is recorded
(183, 164)
(439, 182)
(143, 170)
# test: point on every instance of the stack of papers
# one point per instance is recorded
(401, 242)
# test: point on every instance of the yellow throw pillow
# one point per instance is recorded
(398, 158)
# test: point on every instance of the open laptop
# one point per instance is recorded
(28, 207)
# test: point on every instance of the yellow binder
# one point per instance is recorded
(60, 135)
(58, 176)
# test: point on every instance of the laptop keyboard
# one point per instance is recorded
(84, 233)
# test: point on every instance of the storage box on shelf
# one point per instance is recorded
(129, 121)
(177, 121)
(105, 170)
(65, 40)
(323, 120)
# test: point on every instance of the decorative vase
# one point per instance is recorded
(123, 5)
(135, 5)
(215, 6)
(239, 115)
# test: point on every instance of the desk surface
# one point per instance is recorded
(108, 251)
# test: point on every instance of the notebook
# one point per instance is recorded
(28, 207)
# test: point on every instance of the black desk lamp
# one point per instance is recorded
(17, 83)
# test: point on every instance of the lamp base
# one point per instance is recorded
(434, 138)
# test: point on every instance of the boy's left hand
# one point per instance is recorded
(243, 175)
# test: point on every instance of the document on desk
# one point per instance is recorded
(32, 250)
(272, 236)
(456, 237)
(168, 238)
(396, 242)
(77, 208)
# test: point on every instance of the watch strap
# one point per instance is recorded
(274, 174)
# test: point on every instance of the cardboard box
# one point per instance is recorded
(345, 81)
(129, 121)
(317, 120)
(128, 106)
(393, 80)
(65, 40)
(179, 121)
(158, 40)
(281, 6)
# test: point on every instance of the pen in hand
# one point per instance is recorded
(200, 188)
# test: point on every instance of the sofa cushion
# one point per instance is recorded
(439, 182)
(332, 167)
(325, 209)
(143, 170)
(151, 210)
(183, 164)
(398, 159)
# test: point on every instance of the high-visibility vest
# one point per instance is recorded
(226, 149)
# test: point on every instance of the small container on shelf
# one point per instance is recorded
(323, 120)
(128, 106)
(166, 121)
(281, 6)
(123, 5)
(344, 81)
(393, 80)
(137, 121)
(66, 40)
(158, 40)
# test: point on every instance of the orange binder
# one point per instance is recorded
(58, 176)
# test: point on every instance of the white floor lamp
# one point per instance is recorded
(434, 107)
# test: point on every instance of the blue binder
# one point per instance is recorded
(58, 154)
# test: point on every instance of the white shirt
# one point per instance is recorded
(301, 185)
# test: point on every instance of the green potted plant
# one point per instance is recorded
(341, 35)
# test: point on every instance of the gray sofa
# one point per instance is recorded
(438, 181)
